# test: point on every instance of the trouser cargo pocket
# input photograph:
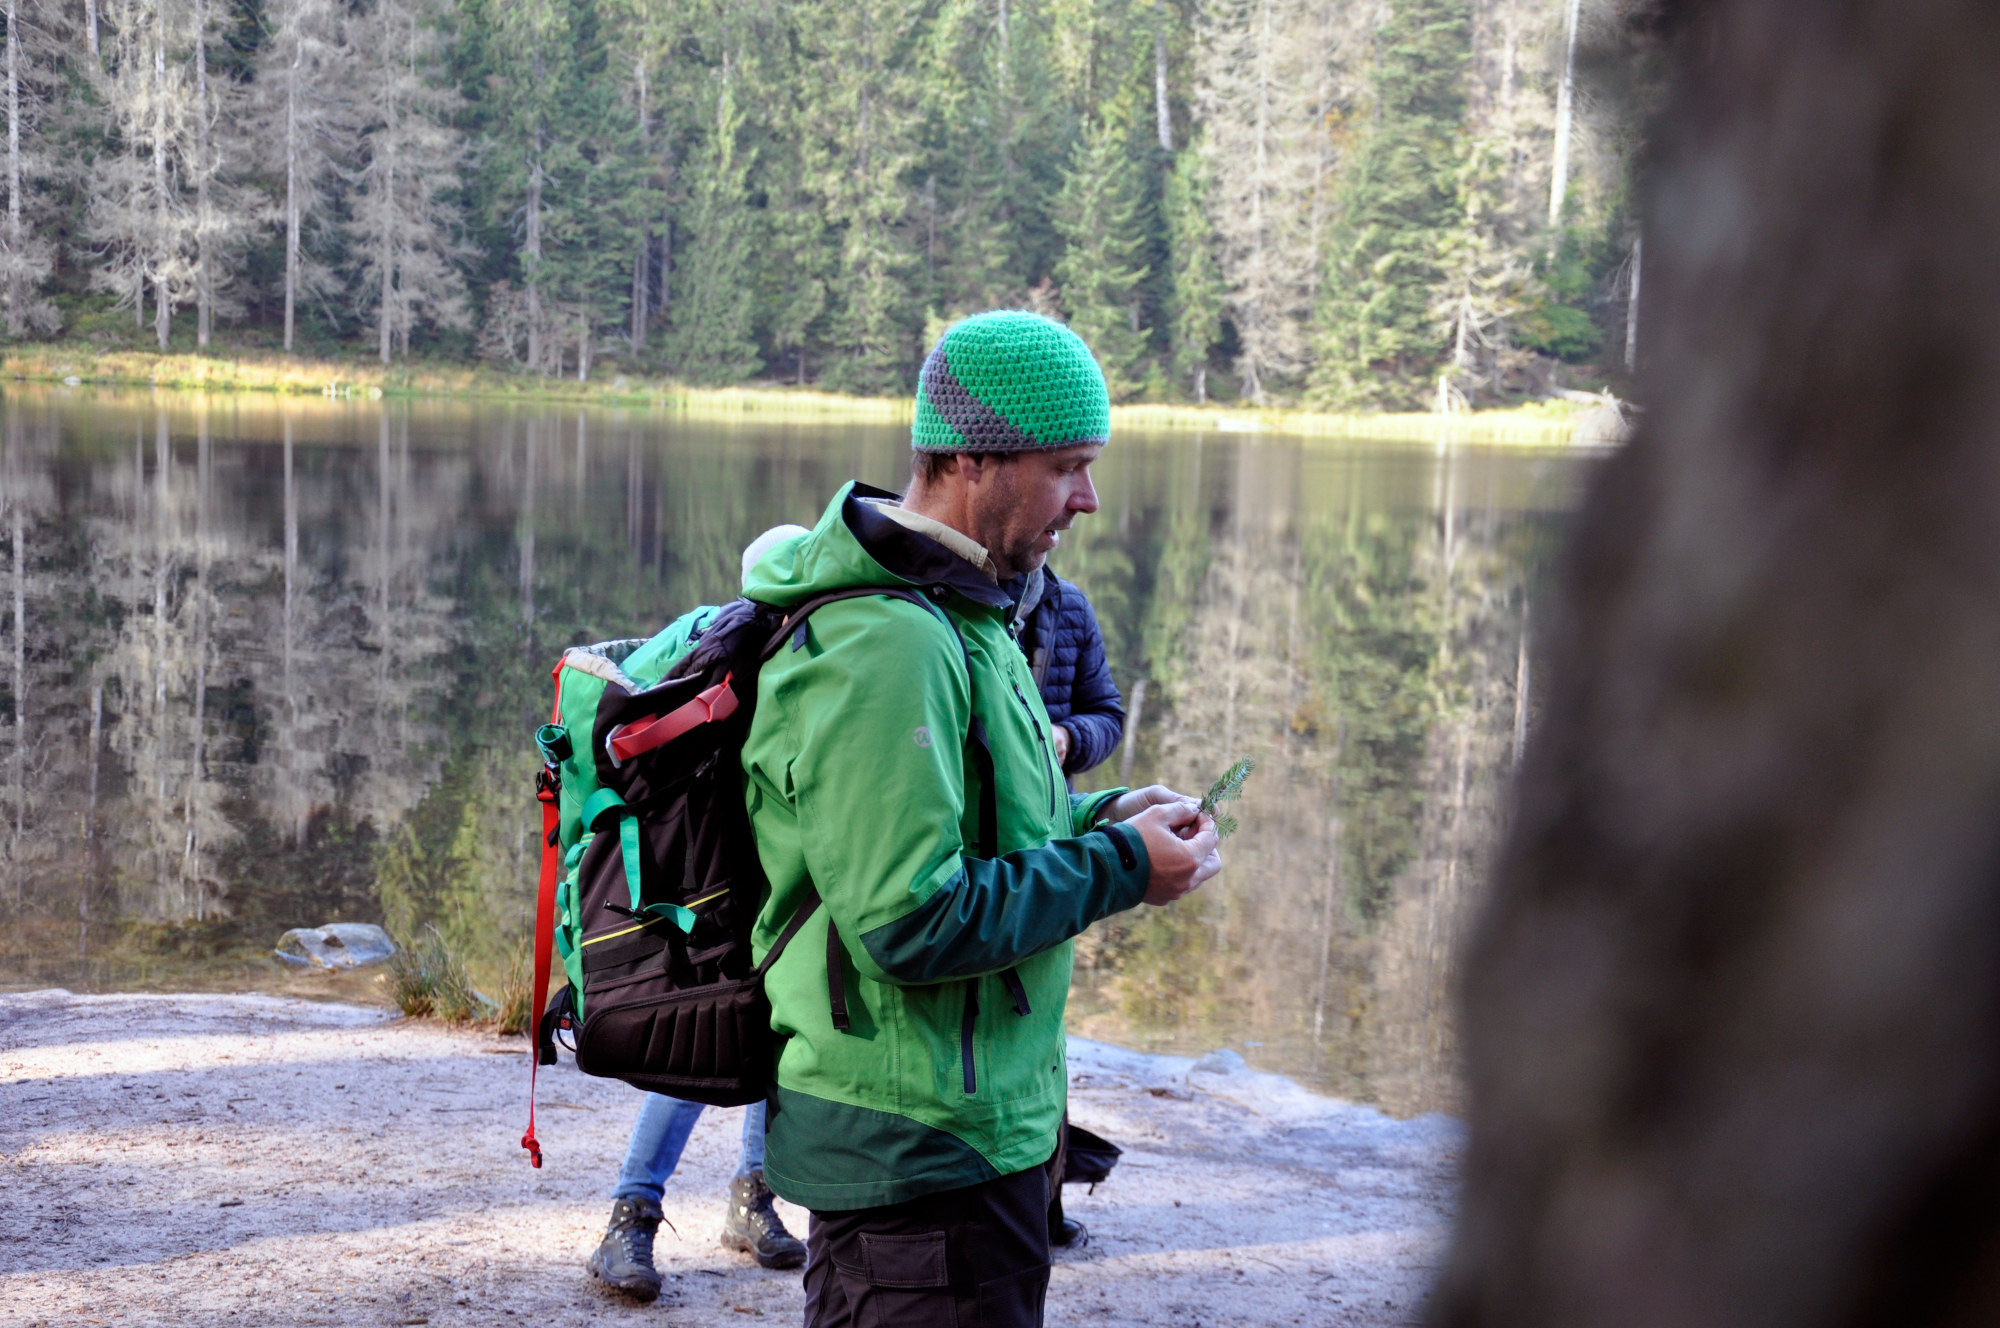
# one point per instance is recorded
(976, 1257)
(898, 1281)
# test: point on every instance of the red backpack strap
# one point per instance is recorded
(548, 790)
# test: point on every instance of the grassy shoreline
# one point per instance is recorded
(1541, 425)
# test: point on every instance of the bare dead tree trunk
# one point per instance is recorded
(16, 296)
(1632, 304)
(163, 311)
(1565, 114)
(642, 258)
(1732, 1011)
(204, 277)
(385, 239)
(292, 186)
(1162, 116)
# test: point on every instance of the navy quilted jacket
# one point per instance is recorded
(1066, 650)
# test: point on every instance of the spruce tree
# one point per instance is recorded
(713, 338)
(1100, 214)
(1398, 203)
(1194, 300)
(858, 117)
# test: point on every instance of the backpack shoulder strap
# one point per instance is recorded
(794, 624)
(791, 929)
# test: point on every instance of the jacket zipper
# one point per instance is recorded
(1048, 757)
(965, 1035)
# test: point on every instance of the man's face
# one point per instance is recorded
(1022, 503)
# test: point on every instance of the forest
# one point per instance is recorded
(1348, 205)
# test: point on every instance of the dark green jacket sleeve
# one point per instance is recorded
(992, 914)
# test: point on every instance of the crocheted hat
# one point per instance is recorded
(1010, 381)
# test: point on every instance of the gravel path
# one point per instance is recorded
(252, 1160)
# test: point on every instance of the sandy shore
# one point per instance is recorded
(253, 1160)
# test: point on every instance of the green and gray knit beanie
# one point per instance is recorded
(1010, 381)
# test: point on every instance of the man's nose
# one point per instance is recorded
(1083, 494)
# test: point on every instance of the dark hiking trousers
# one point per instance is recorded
(971, 1258)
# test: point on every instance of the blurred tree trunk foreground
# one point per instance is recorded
(1732, 1017)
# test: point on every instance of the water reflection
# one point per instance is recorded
(275, 664)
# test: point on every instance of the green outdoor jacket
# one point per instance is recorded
(861, 784)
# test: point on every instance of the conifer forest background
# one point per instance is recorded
(1345, 203)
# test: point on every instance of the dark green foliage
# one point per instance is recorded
(1194, 318)
(1398, 200)
(1101, 216)
(1561, 323)
(713, 339)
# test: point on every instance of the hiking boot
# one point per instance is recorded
(753, 1225)
(623, 1260)
(1066, 1231)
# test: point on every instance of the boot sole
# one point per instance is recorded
(786, 1259)
(639, 1289)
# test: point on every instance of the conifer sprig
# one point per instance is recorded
(1227, 789)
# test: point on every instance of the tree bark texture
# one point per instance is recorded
(1732, 1012)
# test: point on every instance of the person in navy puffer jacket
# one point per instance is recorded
(1058, 633)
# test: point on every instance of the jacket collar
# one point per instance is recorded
(912, 555)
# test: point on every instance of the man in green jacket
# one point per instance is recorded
(900, 765)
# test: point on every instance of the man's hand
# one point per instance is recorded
(1181, 848)
(1128, 805)
(1061, 737)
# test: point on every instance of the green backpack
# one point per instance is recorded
(650, 883)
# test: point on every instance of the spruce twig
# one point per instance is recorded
(1227, 789)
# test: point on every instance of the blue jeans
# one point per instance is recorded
(661, 1133)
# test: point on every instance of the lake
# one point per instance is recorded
(268, 663)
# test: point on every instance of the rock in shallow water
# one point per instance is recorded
(338, 945)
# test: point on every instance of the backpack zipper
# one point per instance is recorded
(965, 1035)
(1048, 757)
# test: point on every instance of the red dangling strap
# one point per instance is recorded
(545, 914)
(548, 790)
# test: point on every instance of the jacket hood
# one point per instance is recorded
(855, 545)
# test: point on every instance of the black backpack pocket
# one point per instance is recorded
(711, 1043)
